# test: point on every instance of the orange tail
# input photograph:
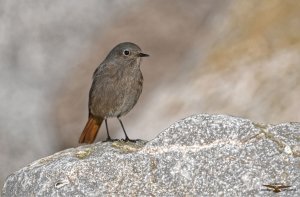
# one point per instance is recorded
(90, 131)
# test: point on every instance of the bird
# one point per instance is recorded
(116, 88)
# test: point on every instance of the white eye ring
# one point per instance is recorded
(126, 52)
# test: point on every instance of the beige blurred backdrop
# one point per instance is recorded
(207, 56)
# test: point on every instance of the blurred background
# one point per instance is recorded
(233, 57)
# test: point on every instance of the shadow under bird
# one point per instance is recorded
(117, 85)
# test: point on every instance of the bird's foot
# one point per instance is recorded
(130, 140)
(110, 140)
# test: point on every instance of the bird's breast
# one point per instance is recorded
(128, 89)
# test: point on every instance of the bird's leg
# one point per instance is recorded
(126, 136)
(108, 139)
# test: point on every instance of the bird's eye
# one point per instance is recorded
(126, 52)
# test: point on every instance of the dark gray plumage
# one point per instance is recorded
(117, 85)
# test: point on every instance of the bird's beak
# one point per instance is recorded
(143, 55)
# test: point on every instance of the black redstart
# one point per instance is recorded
(117, 85)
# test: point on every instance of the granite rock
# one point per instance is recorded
(203, 155)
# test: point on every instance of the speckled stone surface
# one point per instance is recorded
(202, 155)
